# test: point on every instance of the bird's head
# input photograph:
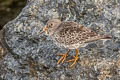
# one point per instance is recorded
(51, 25)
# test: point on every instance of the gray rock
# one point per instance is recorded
(33, 56)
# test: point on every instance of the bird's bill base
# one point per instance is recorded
(45, 29)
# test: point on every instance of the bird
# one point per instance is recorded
(70, 35)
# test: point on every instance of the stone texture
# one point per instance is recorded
(32, 56)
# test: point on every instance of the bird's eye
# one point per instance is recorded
(51, 24)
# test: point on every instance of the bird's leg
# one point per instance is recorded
(75, 58)
(63, 57)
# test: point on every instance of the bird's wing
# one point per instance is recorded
(72, 33)
(67, 33)
(93, 36)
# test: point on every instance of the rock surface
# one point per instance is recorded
(31, 56)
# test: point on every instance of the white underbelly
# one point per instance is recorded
(73, 46)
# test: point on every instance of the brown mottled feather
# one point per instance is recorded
(71, 33)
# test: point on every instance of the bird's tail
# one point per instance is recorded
(99, 37)
(106, 37)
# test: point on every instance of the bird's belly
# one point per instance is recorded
(72, 46)
(69, 46)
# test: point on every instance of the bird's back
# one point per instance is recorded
(73, 35)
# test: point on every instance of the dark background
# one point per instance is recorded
(9, 9)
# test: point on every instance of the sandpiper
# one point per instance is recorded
(70, 35)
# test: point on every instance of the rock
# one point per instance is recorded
(34, 56)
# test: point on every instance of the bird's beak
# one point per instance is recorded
(45, 29)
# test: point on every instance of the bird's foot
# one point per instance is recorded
(73, 60)
(64, 56)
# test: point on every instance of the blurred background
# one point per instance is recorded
(9, 9)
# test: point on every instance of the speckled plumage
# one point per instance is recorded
(71, 35)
